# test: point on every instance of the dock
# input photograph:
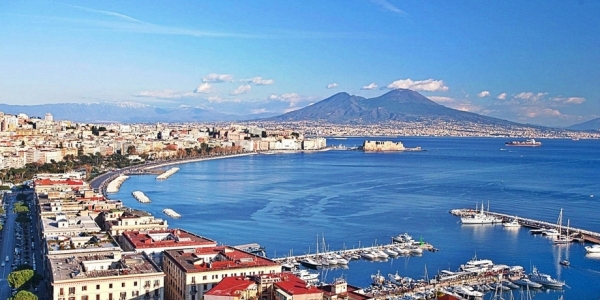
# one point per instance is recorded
(580, 233)
(374, 253)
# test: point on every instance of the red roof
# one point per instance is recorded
(231, 286)
(230, 258)
(293, 285)
(68, 181)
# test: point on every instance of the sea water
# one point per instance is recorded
(346, 199)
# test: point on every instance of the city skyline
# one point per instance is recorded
(524, 62)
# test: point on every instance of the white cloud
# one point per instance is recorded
(258, 81)
(292, 98)
(164, 94)
(501, 96)
(441, 99)
(539, 112)
(388, 6)
(215, 99)
(569, 100)
(215, 78)
(242, 89)
(332, 85)
(483, 94)
(428, 85)
(203, 88)
(370, 86)
(530, 96)
(259, 111)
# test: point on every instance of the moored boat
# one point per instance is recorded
(545, 279)
(525, 282)
(593, 249)
(514, 223)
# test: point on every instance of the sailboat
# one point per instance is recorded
(562, 239)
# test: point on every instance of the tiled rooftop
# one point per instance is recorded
(166, 238)
(217, 258)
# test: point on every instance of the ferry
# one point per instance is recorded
(526, 143)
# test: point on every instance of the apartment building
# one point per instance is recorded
(190, 273)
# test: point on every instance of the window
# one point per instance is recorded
(206, 287)
(135, 283)
(147, 284)
(97, 297)
(122, 284)
(98, 287)
(135, 293)
(157, 282)
(204, 277)
(123, 295)
(110, 297)
(110, 285)
(84, 288)
(84, 297)
(61, 292)
(71, 290)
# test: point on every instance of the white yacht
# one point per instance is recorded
(550, 232)
(309, 262)
(368, 255)
(306, 276)
(513, 223)
(416, 251)
(592, 249)
(477, 265)
(390, 252)
(479, 218)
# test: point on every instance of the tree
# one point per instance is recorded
(25, 295)
(131, 149)
(16, 279)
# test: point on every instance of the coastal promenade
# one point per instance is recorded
(583, 234)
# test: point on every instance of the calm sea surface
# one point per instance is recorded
(352, 198)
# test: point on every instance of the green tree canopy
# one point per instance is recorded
(25, 295)
(16, 279)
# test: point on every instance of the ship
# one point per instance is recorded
(526, 143)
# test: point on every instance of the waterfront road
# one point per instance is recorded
(8, 245)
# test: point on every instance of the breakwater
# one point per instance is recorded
(141, 197)
(114, 185)
(587, 235)
(167, 174)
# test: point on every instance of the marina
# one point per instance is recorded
(141, 197)
(167, 174)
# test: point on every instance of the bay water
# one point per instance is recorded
(290, 201)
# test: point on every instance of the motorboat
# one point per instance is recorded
(510, 285)
(550, 232)
(402, 238)
(306, 275)
(310, 263)
(565, 263)
(416, 251)
(467, 291)
(401, 251)
(377, 279)
(381, 254)
(368, 255)
(545, 279)
(477, 265)
(536, 231)
(512, 224)
(390, 252)
(593, 248)
(525, 282)
(395, 278)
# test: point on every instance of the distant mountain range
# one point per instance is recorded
(343, 108)
(123, 112)
(589, 125)
(396, 105)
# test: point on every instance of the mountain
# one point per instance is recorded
(396, 105)
(124, 112)
(589, 125)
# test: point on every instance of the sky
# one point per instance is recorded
(535, 62)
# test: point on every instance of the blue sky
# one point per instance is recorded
(526, 61)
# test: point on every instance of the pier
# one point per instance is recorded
(115, 184)
(141, 197)
(582, 234)
(396, 248)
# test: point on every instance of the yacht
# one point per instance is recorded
(378, 279)
(306, 276)
(368, 255)
(310, 263)
(381, 254)
(550, 232)
(545, 279)
(513, 223)
(593, 249)
(479, 218)
(525, 282)
(402, 238)
(477, 265)
(390, 252)
(416, 251)
(395, 278)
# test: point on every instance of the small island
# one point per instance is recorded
(380, 146)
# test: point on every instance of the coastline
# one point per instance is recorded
(185, 161)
